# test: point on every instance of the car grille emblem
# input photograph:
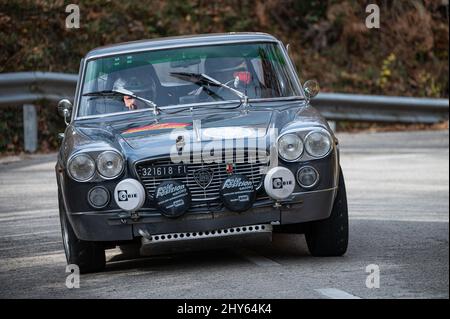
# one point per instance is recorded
(203, 177)
(229, 168)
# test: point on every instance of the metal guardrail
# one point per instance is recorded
(378, 108)
(28, 87)
(23, 88)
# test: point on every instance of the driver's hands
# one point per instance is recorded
(130, 102)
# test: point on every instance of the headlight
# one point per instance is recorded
(290, 147)
(317, 143)
(109, 164)
(81, 167)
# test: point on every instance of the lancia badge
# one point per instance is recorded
(203, 177)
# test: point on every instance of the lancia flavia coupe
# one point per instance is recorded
(191, 142)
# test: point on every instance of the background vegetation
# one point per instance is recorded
(407, 56)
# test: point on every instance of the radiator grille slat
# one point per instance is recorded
(200, 196)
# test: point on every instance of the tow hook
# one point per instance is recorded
(135, 216)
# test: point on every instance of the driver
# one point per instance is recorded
(130, 102)
(139, 88)
(227, 69)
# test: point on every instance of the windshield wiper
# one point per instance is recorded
(125, 92)
(202, 79)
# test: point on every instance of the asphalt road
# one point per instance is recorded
(398, 194)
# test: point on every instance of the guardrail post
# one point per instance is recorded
(30, 128)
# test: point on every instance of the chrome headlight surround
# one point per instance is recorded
(89, 165)
(104, 163)
(281, 147)
(325, 139)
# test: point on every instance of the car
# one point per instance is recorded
(197, 141)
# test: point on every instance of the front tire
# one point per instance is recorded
(87, 255)
(329, 237)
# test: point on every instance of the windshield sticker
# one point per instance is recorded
(159, 126)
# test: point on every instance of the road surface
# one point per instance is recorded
(398, 194)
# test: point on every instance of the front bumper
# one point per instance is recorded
(117, 225)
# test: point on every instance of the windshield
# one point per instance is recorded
(258, 70)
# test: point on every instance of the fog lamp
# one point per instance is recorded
(98, 197)
(307, 177)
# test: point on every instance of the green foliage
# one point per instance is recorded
(322, 33)
(11, 130)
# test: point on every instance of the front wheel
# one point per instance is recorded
(329, 237)
(87, 255)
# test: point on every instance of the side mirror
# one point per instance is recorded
(65, 110)
(311, 88)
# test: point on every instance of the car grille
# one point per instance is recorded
(210, 195)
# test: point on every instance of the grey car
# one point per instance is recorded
(196, 141)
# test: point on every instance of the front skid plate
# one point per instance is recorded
(185, 241)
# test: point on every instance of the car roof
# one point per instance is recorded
(179, 41)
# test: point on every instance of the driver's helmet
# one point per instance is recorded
(143, 87)
(225, 69)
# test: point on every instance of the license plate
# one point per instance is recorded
(164, 171)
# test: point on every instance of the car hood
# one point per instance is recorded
(145, 136)
(227, 125)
